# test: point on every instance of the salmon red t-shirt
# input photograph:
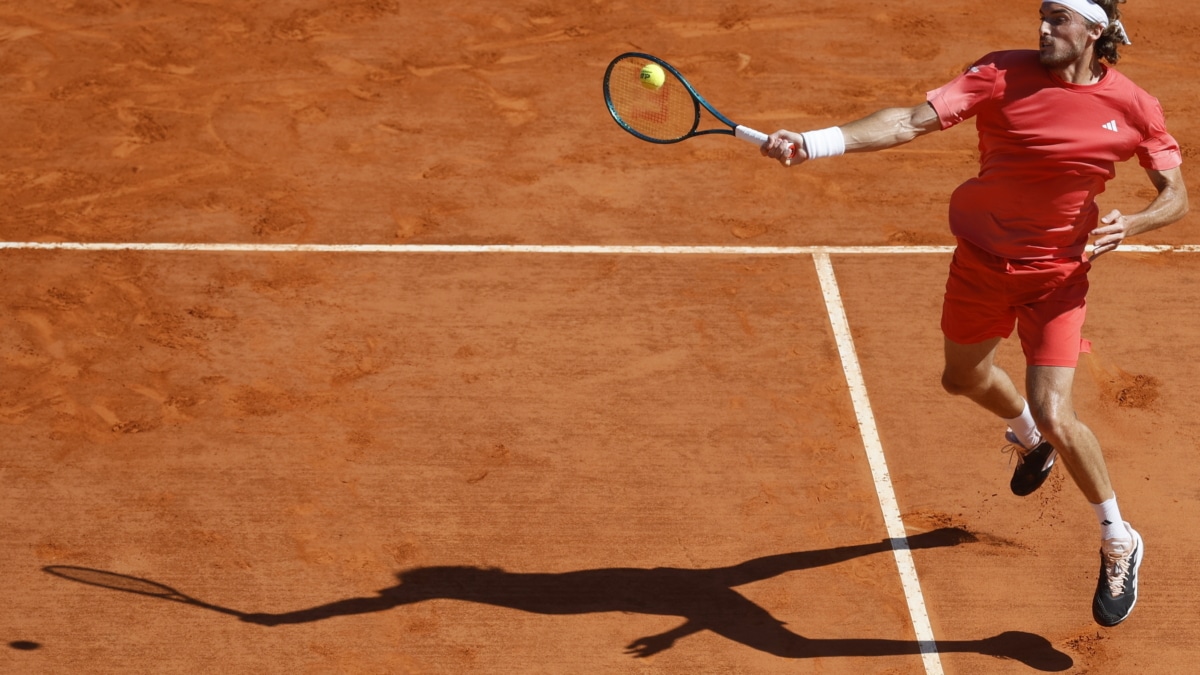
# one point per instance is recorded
(1047, 148)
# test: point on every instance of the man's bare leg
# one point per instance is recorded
(1121, 546)
(971, 371)
(1051, 404)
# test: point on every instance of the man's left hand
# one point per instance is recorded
(1109, 235)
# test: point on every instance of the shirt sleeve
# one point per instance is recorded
(1158, 151)
(962, 97)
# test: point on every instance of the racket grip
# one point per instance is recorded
(756, 137)
(750, 135)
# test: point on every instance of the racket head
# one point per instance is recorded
(666, 114)
(114, 581)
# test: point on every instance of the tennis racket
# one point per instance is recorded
(667, 113)
(121, 582)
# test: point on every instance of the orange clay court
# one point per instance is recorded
(417, 454)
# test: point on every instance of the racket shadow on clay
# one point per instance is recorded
(705, 599)
(128, 584)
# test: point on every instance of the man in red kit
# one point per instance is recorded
(1052, 124)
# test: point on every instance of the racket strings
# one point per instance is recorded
(668, 113)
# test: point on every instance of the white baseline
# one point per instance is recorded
(526, 248)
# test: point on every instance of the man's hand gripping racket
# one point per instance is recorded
(650, 99)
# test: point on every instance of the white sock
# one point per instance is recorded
(1025, 428)
(1111, 525)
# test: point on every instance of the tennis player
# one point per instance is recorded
(1052, 123)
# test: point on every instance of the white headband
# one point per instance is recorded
(1087, 9)
(1093, 12)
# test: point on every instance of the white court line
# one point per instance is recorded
(471, 248)
(879, 469)
(527, 248)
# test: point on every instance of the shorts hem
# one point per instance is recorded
(1053, 363)
(976, 339)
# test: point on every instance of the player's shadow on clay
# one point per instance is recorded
(703, 597)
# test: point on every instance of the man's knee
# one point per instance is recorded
(959, 383)
(1053, 422)
(1050, 403)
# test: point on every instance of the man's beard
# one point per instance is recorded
(1063, 54)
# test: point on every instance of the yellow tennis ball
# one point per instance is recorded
(653, 76)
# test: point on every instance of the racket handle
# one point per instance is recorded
(756, 137)
(750, 135)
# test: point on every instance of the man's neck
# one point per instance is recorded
(1087, 70)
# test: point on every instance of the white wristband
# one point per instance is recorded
(829, 142)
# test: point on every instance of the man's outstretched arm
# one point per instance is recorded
(880, 130)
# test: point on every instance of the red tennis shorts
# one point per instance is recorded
(986, 295)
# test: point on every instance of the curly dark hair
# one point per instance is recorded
(1106, 46)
